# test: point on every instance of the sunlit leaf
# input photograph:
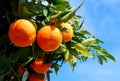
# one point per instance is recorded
(48, 74)
(4, 39)
(56, 68)
(83, 51)
(100, 60)
(23, 11)
(103, 58)
(88, 41)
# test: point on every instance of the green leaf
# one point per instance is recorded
(110, 57)
(37, 52)
(103, 58)
(61, 49)
(73, 61)
(85, 32)
(88, 41)
(45, 12)
(66, 55)
(57, 14)
(83, 58)
(70, 14)
(58, 2)
(36, 9)
(3, 62)
(23, 1)
(100, 60)
(40, 76)
(82, 50)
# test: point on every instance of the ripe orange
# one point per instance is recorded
(22, 33)
(39, 66)
(49, 38)
(33, 77)
(68, 34)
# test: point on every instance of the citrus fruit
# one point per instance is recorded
(68, 33)
(39, 66)
(33, 77)
(49, 38)
(22, 33)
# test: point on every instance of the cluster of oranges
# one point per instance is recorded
(23, 33)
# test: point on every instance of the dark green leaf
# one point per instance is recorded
(37, 51)
(61, 49)
(88, 41)
(3, 63)
(110, 57)
(85, 32)
(41, 76)
(23, 11)
(100, 60)
(48, 74)
(69, 15)
(56, 68)
(103, 58)
(14, 56)
(66, 55)
(83, 58)
(25, 53)
(73, 61)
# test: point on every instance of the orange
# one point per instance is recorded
(49, 38)
(39, 66)
(33, 77)
(68, 34)
(22, 33)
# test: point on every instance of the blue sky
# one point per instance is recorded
(102, 19)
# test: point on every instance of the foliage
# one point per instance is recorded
(45, 12)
